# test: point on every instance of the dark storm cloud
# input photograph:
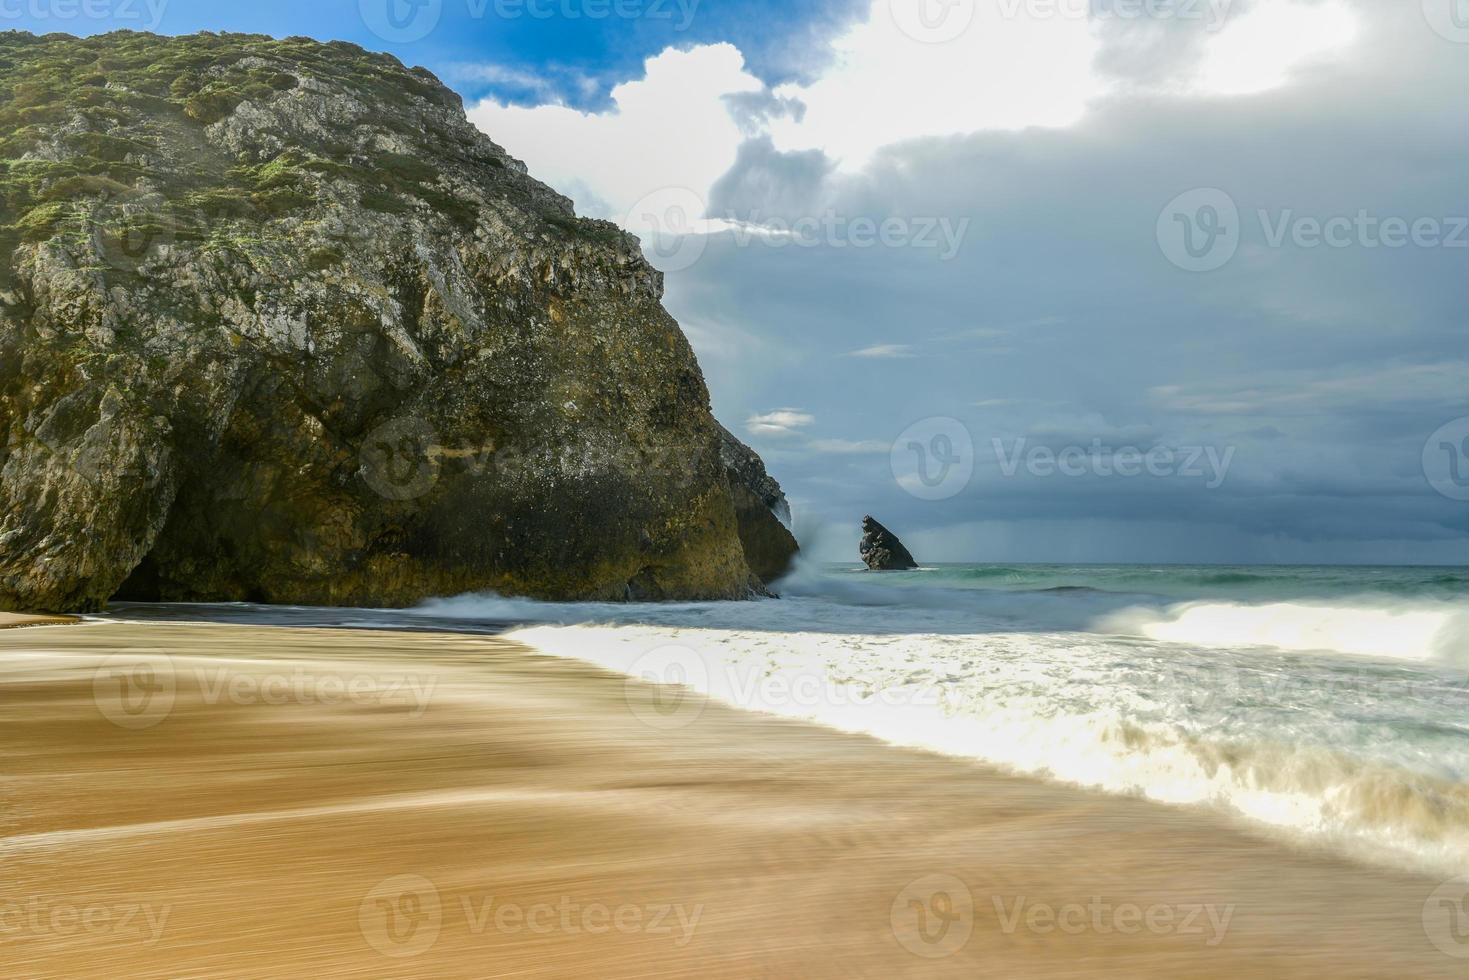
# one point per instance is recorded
(754, 110)
(1322, 369)
(765, 183)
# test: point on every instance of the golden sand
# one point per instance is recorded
(219, 801)
(12, 620)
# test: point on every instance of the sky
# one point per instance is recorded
(1028, 280)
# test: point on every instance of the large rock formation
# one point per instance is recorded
(881, 549)
(277, 323)
(761, 510)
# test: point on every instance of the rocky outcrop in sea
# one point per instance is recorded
(881, 549)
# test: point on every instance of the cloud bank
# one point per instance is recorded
(1320, 354)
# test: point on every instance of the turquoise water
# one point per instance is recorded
(1241, 582)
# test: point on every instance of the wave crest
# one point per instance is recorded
(1418, 632)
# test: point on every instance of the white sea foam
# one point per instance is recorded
(1261, 740)
(1329, 704)
(1341, 720)
(1393, 630)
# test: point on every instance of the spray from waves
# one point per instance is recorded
(1428, 631)
(813, 599)
(1413, 631)
(1283, 747)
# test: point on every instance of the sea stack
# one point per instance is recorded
(881, 549)
(279, 324)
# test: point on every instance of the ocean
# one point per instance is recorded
(1328, 705)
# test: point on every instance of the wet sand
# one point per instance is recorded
(14, 620)
(227, 801)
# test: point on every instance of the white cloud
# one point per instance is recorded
(1017, 66)
(1259, 51)
(883, 351)
(669, 129)
(541, 86)
(1005, 71)
(1306, 392)
(781, 422)
(850, 447)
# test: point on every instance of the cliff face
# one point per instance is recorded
(277, 323)
(761, 510)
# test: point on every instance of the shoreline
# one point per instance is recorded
(435, 804)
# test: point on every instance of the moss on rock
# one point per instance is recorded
(278, 323)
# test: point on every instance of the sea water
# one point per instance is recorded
(1330, 705)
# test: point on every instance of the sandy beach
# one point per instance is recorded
(16, 620)
(226, 801)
